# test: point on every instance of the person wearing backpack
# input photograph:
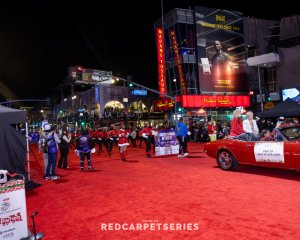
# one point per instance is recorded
(51, 148)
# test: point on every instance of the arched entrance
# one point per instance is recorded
(113, 109)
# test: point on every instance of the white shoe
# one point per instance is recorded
(180, 156)
(186, 154)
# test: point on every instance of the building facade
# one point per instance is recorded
(106, 104)
(207, 79)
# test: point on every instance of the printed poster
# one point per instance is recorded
(166, 143)
(13, 215)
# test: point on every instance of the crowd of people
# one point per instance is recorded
(257, 129)
(53, 141)
(248, 129)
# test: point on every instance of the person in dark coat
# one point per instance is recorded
(64, 149)
(83, 147)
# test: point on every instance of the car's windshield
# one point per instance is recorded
(291, 133)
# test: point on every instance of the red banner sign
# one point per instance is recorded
(195, 101)
(161, 60)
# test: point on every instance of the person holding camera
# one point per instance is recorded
(51, 143)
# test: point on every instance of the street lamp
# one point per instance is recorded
(175, 102)
(175, 82)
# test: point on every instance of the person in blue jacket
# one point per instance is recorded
(181, 135)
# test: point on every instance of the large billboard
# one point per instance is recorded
(89, 76)
(221, 50)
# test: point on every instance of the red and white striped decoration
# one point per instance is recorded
(12, 186)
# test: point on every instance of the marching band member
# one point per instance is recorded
(113, 137)
(154, 133)
(146, 135)
(123, 141)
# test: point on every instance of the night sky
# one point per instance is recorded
(41, 39)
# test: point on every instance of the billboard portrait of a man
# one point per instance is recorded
(220, 62)
(220, 57)
(220, 48)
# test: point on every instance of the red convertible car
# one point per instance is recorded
(284, 154)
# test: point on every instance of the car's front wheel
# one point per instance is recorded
(226, 160)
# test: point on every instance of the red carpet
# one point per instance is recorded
(252, 203)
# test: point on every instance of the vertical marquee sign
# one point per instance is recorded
(178, 60)
(161, 60)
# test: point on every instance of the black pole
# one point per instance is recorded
(33, 154)
(33, 223)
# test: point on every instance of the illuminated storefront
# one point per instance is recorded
(106, 104)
